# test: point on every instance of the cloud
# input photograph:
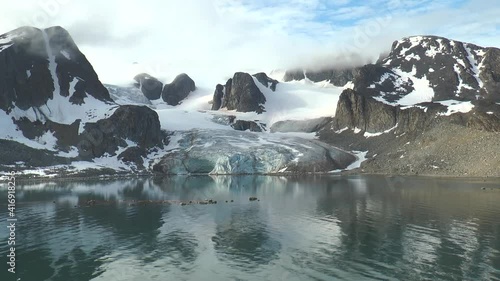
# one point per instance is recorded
(211, 39)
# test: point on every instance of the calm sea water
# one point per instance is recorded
(316, 228)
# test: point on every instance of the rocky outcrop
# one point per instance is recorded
(266, 80)
(300, 126)
(178, 90)
(137, 124)
(361, 112)
(243, 125)
(241, 94)
(336, 76)
(232, 152)
(218, 95)
(36, 65)
(377, 80)
(490, 74)
(66, 135)
(133, 155)
(294, 75)
(149, 86)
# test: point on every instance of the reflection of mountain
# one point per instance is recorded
(316, 228)
(388, 224)
(244, 241)
(68, 243)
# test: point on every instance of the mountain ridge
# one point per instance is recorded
(52, 102)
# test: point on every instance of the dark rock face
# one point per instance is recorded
(294, 75)
(29, 156)
(266, 80)
(338, 77)
(27, 67)
(358, 111)
(355, 110)
(490, 74)
(67, 135)
(133, 155)
(243, 125)
(241, 94)
(149, 86)
(139, 124)
(73, 66)
(301, 126)
(377, 80)
(25, 79)
(178, 90)
(484, 121)
(218, 95)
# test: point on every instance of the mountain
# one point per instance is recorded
(59, 119)
(51, 100)
(430, 106)
(452, 69)
(427, 92)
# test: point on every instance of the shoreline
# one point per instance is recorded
(347, 174)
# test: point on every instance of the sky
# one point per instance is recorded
(211, 39)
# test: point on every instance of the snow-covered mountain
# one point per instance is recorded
(47, 88)
(422, 72)
(53, 105)
(453, 69)
(61, 119)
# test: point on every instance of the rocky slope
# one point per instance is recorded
(430, 98)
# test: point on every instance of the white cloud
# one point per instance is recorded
(211, 39)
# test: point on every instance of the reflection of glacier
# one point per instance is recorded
(244, 239)
(234, 152)
(312, 228)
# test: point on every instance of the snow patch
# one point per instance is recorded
(423, 92)
(48, 140)
(412, 57)
(342, 130)
(370, 135)
(475, 65)
(66, 54)
(52, 64)
(360, 158)
(456, 107)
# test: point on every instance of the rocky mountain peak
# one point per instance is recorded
(454, 69)
(37, 66)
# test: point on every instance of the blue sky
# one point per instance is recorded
(217, 37)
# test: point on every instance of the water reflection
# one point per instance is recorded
(244, 240)
(315, 228)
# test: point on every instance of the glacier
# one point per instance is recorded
(220, 152)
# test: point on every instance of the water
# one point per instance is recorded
(316, 228)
